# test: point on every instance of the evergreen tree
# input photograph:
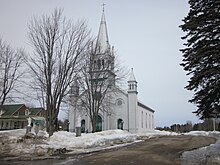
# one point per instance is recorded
(201, 56)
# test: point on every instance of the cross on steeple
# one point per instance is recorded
(103, 7)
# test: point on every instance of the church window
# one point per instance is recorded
(146, 120)
(152, 121)
(83, 126)
(103, 63)
(99, 124)
(99, 64)
(97, 95)
(142, 122)
(119, 102)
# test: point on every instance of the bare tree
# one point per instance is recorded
(10, 74)
(98, 82)
(58, 49)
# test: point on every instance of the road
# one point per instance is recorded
(165, 150)
(158, 151)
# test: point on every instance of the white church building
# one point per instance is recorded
(127, 112)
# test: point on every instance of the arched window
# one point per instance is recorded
(99, 63)
(98, 123)
(120, 124)
(103, 63)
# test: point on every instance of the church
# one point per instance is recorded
(125, 112)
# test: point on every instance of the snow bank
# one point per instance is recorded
(155, 133)
(203, 133)
(68, 140)
(208, 155)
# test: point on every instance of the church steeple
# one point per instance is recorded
(132, 83)
(103, 58)
(102, 44)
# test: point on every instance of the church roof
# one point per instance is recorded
(102, 43)
(131, 78)
(145, 107)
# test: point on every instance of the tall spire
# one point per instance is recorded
(102, 44)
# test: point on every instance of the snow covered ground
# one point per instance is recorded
(12, 142)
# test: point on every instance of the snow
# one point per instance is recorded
(203, 133)
(68, 140)
(44, 146)
(158, 133)
(205, 155)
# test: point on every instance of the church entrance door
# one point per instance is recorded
(99, 124)
(120, 124)
(83, 125)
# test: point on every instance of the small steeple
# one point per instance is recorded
(132, 83)
(131, 78)
(102, 44)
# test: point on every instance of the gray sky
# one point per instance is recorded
(145, 34)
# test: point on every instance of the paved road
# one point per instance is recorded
(164, 150)
(158, 151)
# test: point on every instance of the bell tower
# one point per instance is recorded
(132, 103)
(103, 55)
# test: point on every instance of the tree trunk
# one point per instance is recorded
(51, 129)
(93, 126)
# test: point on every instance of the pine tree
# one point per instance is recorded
(201, 55)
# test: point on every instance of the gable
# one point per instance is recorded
(36, 111)
(10, 110)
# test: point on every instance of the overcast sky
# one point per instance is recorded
(145, 35)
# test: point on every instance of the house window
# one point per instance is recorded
(16, 124)
(27, 112)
